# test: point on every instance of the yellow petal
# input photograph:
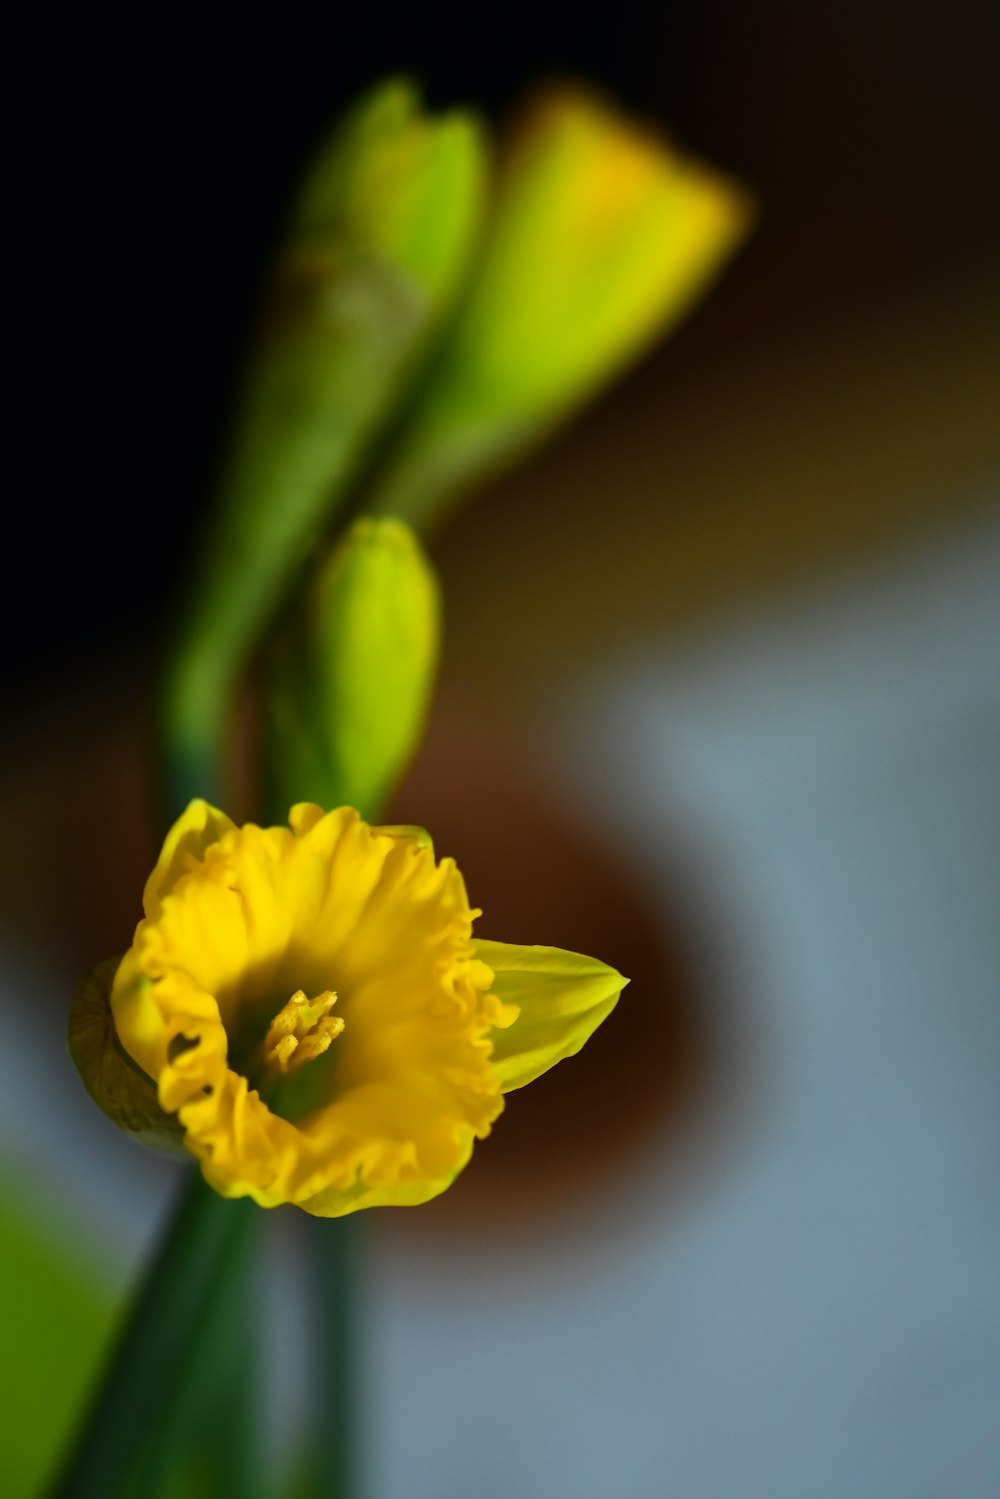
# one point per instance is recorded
(195, 830)
(562, 998)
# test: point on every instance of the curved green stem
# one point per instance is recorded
(209, 1429)
(202, 1248)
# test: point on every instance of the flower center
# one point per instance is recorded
(302, 1030)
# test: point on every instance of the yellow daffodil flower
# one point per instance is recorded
(317, 1016)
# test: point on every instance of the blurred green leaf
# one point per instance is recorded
(58, 1319)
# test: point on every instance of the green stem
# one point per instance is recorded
(155, 1352)
(329, 1465)
(335, 1260)
(208, 1427)
(196, 701)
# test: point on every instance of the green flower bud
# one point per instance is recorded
(350, 680)
(378, 244)
(600, 237)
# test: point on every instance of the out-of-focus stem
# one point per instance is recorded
(203, 1247)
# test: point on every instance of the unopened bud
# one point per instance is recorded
(601, 235)
(350, 682)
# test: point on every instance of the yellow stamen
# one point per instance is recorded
(301, 1031)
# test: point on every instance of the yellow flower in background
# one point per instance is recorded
(313, 1008)
(600, 235)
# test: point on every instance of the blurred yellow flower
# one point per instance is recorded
(600, 236)
(312, 1006)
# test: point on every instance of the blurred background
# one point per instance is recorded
(720, 703)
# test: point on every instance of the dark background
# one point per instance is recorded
(148, 161)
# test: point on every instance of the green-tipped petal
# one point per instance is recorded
(562, 998)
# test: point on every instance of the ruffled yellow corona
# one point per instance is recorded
(311, 1004)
